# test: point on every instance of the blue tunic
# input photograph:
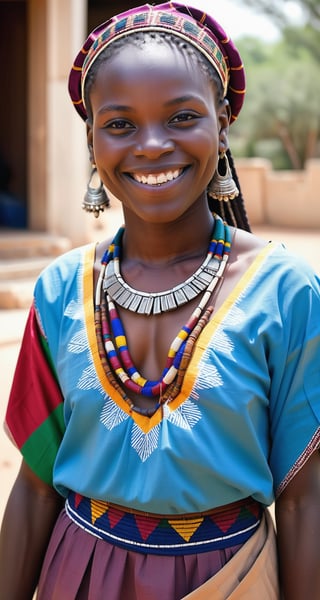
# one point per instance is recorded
(247, 417)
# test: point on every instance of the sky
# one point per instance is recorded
(238, 20)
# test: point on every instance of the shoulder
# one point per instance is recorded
(59, 276)
(246, 244)
(68, 261)
(279, 268)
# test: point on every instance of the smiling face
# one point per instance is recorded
(156, 130)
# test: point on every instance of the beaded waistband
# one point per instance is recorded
(147, 533)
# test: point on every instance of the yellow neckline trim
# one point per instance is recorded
(147, 423)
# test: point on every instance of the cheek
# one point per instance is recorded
(110, 149)
(106, 151)
(205, 146)
(206, 135)
(100, 141)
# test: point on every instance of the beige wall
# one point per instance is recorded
(281, 198)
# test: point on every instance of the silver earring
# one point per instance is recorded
(96, 199)
(222, 185)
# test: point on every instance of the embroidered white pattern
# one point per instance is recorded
(144, 443)
(185, 416)
(89, 379)
(209, 377)
(222, 343)
(74, 310)
(208, 374)
(79, 342)
(235, 316)
(112, 415)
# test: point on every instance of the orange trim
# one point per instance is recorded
(237, 91)
(147, 423)
(217, 319)
(239, 68)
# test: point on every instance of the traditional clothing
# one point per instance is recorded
(231, 433)
(241, 427)
(101, 570)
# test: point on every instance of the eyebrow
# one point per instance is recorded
(115, 107)
(182, 99)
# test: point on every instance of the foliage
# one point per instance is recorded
(306, 33)
(278, 11)
(281, 115)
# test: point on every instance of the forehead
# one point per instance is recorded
(157, 65)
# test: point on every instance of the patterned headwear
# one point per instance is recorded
(190, 24)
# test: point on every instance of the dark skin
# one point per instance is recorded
(30, 515)
(152, 125)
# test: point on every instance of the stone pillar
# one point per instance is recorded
(67, 155)
(37, 115)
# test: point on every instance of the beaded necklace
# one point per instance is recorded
(147, 303)
(112, 343)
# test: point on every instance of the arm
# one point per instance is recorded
(298, 528)
(30, 515)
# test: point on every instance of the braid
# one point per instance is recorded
(238, 202)
(233, 212)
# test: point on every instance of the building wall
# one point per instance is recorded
(281, 198)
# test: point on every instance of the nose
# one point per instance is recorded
(153, 142)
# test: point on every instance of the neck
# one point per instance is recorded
(151, 242)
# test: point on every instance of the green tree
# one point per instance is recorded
(281, 115)
(306, 35)
(279, 12)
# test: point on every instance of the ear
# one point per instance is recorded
(90, 141)
(224, 114)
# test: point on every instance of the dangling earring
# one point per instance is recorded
(96, 199)
(222, 185)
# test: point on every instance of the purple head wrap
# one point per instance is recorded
(190, 24)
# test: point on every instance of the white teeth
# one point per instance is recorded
(158, 179)
(161, 178)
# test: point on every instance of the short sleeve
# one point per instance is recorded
(34, 417)
(295, 375)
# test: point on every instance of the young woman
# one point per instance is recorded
(167, 389)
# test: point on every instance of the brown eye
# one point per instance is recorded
(183, 117)
(119, 124)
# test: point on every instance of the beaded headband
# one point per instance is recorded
(190, 24)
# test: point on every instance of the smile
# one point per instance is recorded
(157, 179)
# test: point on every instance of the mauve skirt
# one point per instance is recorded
(79, 566)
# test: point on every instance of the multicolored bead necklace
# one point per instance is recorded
(147, 303)
(112, 344)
